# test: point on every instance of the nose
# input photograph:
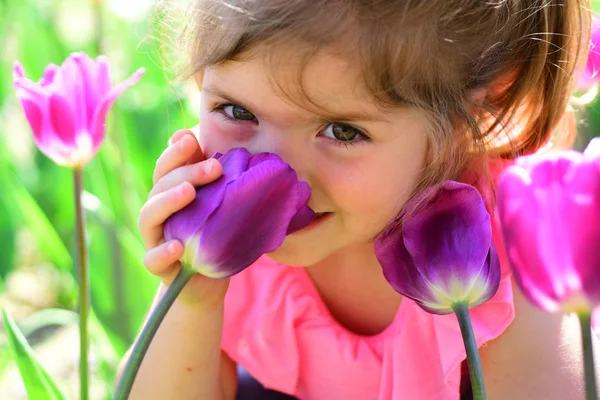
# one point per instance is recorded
(291, 148)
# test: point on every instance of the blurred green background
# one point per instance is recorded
(37, 248)
(37, 282)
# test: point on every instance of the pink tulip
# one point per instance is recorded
(549, 209)
(67, 108)
(592, 67)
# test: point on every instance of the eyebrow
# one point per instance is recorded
(324, 114)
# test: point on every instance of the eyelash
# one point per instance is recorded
(362, 137)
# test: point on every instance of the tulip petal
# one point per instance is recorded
(96, 84)
(62, 119)
(582, 222)
(49, 74)
(18, 71)
(253, 218)
(102, 75)
(34, 116)
(489, 281)
(68, 82)
(451, 239)
(261, 157)
(97, 128)
(208, 198)
(235, 162)
(305, 214)
(531, 208)
(398, 269)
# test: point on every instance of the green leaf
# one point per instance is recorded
(38, 383)
(8, 235)
(18, 201)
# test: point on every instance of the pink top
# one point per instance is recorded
(278, 328)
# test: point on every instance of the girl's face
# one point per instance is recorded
(360, 161)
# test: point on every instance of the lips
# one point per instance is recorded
(320, 215)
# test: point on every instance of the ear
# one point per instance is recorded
(477, 95)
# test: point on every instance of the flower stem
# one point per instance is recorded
(84, 284)
(149, 330)
(588, 355)
(476, 373)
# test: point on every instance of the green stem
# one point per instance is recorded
(84, 284)
(475, 372)
(588, 355)
(149, 330)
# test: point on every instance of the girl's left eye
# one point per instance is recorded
(236, 112)
(343, 133)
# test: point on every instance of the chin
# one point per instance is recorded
(294, 255)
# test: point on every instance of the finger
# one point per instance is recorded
(178, 135)
(160, 259)
(160, 207)
(198, 174)
(176, 155)
(194, 133)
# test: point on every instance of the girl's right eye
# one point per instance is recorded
(236, 112)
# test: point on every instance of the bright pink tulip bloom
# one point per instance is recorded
(592, 67)
(549, 209)
(67, 108)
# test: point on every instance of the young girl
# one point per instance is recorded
(370, 102)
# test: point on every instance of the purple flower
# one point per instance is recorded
(67, 108)
(244, 214)
(442, 254)
(549, 209)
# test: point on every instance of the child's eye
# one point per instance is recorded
(343, 133)
(237, 112)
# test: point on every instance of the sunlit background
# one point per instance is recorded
(37, 282)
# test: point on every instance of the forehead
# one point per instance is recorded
(323, 83)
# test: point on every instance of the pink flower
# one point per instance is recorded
(592, 67)
(67, 108)
(549, 209)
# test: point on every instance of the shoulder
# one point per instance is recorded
(537, 357)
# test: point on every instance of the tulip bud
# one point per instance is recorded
(244, 214)
(549, 209)
(589, 76)
(442, 253)
(67, 108)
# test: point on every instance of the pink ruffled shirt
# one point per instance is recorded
(278, 328)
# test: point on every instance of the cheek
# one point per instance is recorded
(370, 194)
(217, 135)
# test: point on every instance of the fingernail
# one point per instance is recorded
(208, 166)
(172, 247)
(181, 143)
(181, 188)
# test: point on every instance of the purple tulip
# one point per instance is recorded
(442, 254)
(67, 108)
(244, 214)
(549, 209)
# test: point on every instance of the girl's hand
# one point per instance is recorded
(180, 168)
